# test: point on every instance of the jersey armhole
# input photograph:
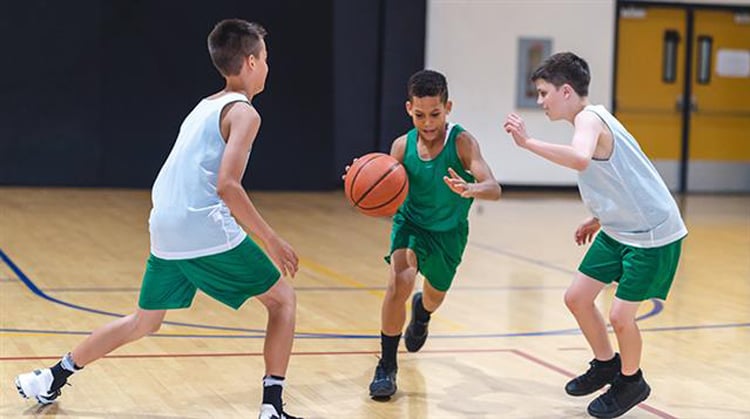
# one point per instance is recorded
(222, 112)
(612, 134)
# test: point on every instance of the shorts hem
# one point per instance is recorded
(594, 276)
(168, 306)
(237, 303)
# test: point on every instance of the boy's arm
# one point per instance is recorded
(576, 156)
(242, 123)
(485, 185)
(398, 148)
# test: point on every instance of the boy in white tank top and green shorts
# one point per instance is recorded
(196, 240)
(641, 229)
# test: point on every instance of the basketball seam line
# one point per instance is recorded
(403, 185)
(356, 175)
(374, 184)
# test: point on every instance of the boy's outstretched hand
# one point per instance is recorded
(585, 232)
(458, 184)
(515, 126)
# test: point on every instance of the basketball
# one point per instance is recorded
(376, 185)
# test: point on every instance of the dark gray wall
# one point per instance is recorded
(94, 91)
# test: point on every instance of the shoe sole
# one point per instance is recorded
(643, 396)
(382, 395)
(39, 399)
(587, 393)
(20, 389)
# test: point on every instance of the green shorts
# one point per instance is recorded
(438, 252)
(642, 273)
(230, 277)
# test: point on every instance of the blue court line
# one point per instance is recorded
(656, 309)
(357, 336)
(38, 292)
(326, 289)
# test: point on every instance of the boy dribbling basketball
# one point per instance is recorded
(446, 172)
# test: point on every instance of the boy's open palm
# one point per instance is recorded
(458, 184)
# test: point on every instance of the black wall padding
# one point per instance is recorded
(94, 91)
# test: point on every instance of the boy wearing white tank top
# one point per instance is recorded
(196, 240)
(641, 229)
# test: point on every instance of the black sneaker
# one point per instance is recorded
(416, 333)
(383, 385)
(598, 375)
(619, 398)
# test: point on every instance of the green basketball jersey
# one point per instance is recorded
(430, 203)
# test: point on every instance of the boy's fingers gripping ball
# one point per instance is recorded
(376, 184)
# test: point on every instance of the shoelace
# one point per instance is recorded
(380, 373)
(590, 373)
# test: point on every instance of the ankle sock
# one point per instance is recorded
(389, 348)
(273, 385)
(68, 364)
(632, 378)
(609, 363)
(62, 370)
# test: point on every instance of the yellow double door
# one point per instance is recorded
(682, 88)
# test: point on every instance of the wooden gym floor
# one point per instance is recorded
(502, 346)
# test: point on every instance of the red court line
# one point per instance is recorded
(644, 406)
(246, 354)
(517, 352)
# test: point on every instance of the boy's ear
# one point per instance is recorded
(408, 108)
(448, 106)
(567, 90)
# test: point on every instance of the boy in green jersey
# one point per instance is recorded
(446, 172)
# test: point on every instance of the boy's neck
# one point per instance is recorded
(578, 108)
(236, 86)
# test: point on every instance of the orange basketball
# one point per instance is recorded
(376, 184)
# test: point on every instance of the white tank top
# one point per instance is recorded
(188, 218)
(626, 193)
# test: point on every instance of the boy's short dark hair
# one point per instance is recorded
(426, 83)
(562, 68)
(233, 40)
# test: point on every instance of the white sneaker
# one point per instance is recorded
(267, 411)
(38, 385)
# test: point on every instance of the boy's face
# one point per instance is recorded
(551, 98)
(429, 114)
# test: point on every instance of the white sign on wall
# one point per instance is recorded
(733, 63)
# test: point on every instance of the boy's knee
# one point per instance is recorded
(146, 324)
(154, 327)
(572, 300)
(281, 295)
(620, 321)
(402, 284)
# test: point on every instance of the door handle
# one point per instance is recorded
(680, 104)
(703, 73)
(669, 56)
